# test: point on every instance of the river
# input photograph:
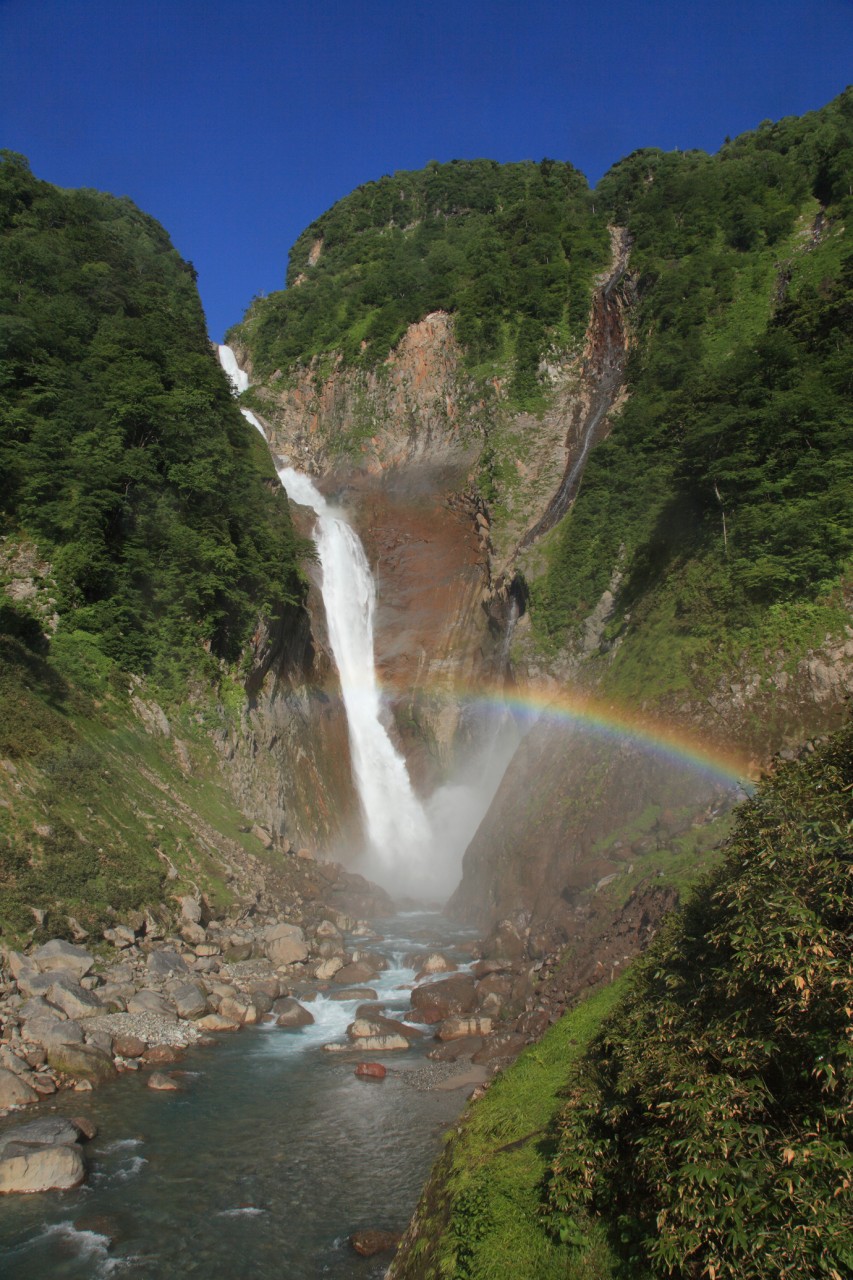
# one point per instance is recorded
(262, 1166)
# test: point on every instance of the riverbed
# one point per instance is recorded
(264, 1163)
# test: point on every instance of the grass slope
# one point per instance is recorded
(480, 1215)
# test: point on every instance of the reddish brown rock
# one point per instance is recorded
(371, 1071)
(161, 1054)
(370, 1242)
(128, 1046)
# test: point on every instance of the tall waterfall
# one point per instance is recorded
(396, 823)
(413, 849)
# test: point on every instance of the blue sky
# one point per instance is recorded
(238, 124)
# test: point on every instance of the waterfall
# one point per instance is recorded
(396, 824)
(238, 377)
(239, 380)
(412, 848)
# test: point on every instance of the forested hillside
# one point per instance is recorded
(509, 249)
(723, 499)
(708, 1125)
(142, 534)
(123, 457)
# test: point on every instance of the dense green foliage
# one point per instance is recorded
(726, 483)
(708, 1125)
(122, 455)
(479, 1216)
(510, 249)
(95, 810)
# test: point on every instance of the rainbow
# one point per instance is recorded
(552, 704)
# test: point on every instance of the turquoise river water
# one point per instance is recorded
(273, 1153)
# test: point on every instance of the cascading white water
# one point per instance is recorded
(414, 849)
(239, 380)
(397, 826)
(238, 377)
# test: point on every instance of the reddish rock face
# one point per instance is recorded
(430, 628)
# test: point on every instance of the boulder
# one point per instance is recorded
(47, 1031)
(82, 1060)
(371, 1071)
(216, 1022)
(128, 1046)
(15, 1092)
(189, 999)
(456, 1028)
(283, 951)
(328, 929)
(74, 1001)
(19, 963)
(47, 1131)
(160, 1054)
(120, 936)
(237, 950)
(207, 950)
(165, 961)
(33, 983)
(503, 1046)
(25, 1169)
(453, 1050)
(449, 997)
(353, 993)
(326, 969)
(370, 1242)
(390, 1043)
(262, 1002)
(380, 1026)
(100, 1038)
(267, 984)
(505, 942)
(148, 1001)
(194, 934)
(435, 963)
(325, 948)
(163, 1083)
(238, 1009)
(58, 954)
(290, 1013)
(190, 909)
(354, 973)
(273, 932)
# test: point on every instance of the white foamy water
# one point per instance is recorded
(397, 827)
(250, 417)
(238, 378)
(412, 848)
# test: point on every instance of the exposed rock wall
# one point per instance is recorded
(286, 756)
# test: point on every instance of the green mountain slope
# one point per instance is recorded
(722, 502)
(509, 249)
(143, 534)
(701, 1127)
(123, 457)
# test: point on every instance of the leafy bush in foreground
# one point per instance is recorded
(708, 1125)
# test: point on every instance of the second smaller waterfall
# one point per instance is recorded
(397, 827)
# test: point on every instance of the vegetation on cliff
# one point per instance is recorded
(701, 1127)
(708, 1125)
(143, 532)
(724, 489)
(123, 456)
(511, 249)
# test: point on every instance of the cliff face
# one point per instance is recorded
(444, 481)
(285, 754)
